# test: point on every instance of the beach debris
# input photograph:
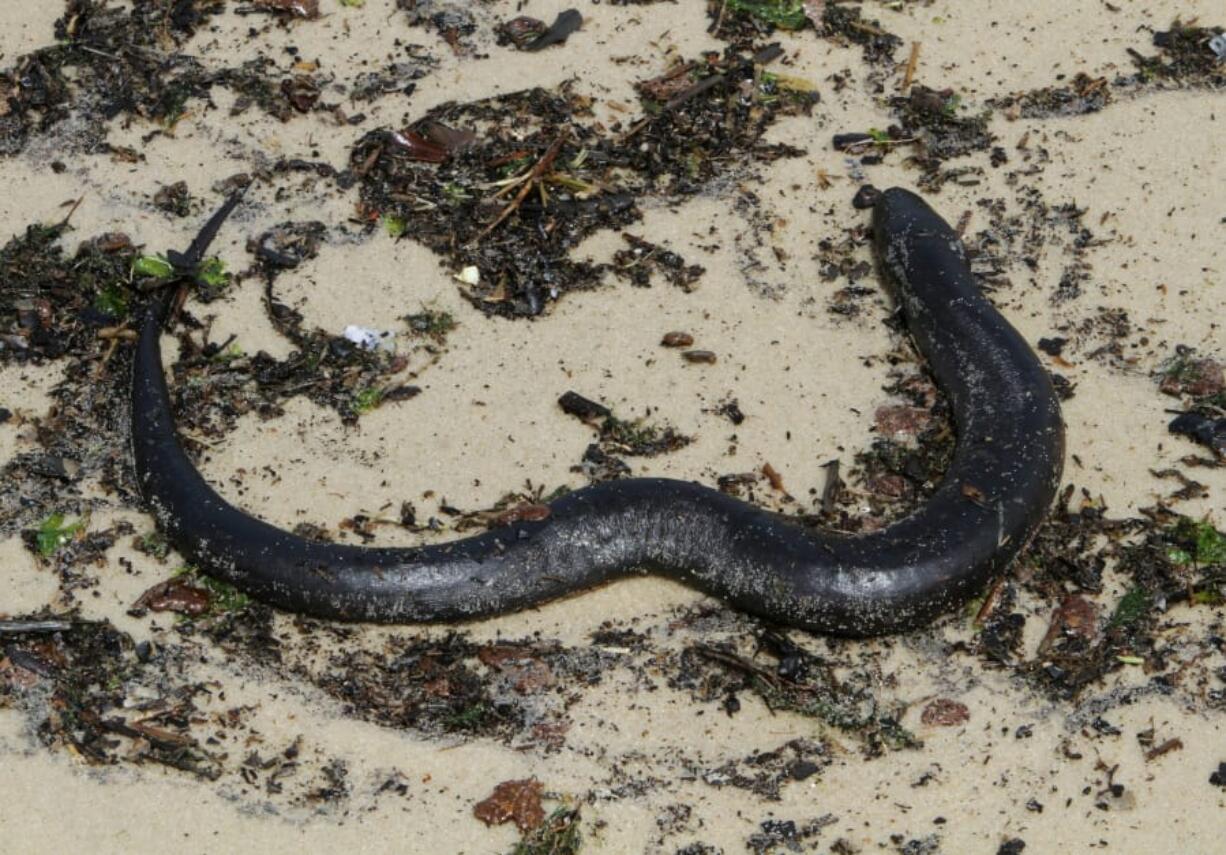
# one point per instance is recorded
(1218, 778)
(1161, 749)
(936, 121)
(574, 404)
(703, 357)
(303, 9)
(34, 626)
(559, 834)
(176, 595)
(367, 338)
(944, 712)
(55, 532)
(174, 199)
(520, 31)
(901, 420)
(431, 323)
(513, 801)
(1184, 374)
(637, 262)
(538, 178)
(855, 139)
(635, 438)
(677, 339)
(287, 245)
(526, 672)
(417, 147)
(563, 27)
(470, 275)
(1075, 616)
(1201, 382)
(731, 410)
(1053, 346)
(804, 683)
(1207, 431)
(1217, 44)
(784, 14)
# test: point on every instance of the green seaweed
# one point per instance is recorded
(784, 14)
(559, 834)
(55, 533)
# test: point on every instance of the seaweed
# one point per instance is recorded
(532, 177)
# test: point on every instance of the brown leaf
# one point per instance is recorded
(677, 339)
(1198, 379)
(901, 420)
(417, 147)
(945, 713)
(1075, 616)
(527, 673)
(889, 485)
(526, 512)
(176, 595)
(513, 800)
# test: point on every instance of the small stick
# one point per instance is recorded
(912, 64)
(542, 166)
(19, 627)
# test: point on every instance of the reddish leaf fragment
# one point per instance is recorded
(901, 420)
(525, 512)
(176, 595)
(1199, 379)
(418, 147)
(677, 339)
(1074, 617)
(945, 713)
(452, 139)
(518, 801)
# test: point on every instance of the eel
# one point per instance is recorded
(1001, 480)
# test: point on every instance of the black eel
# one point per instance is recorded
(1002, 478)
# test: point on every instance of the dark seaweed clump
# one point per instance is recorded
(510, 185)
(109, 62)
(120, 62)
(80, 678)
(513, 690)
(941, 130)
(1184, 60)
(745, 22)
(51, 305)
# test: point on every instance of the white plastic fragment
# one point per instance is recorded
(1217, 44)
(366, 338)
(469, 275)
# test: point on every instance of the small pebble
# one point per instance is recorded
(677, 339)
(706, 357)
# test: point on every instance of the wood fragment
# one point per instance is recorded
(912, 64)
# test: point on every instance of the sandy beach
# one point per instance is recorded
(655, 719)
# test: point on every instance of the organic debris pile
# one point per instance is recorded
(505, 187)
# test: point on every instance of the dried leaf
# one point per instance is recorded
(518, 801)
(945, 713)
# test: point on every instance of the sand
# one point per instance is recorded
(486, 422)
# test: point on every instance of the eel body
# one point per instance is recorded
(1002, 478)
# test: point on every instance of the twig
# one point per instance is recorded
(71, 211)
(542, 166)
(912, 64)
(19, 627)
(762, 57)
